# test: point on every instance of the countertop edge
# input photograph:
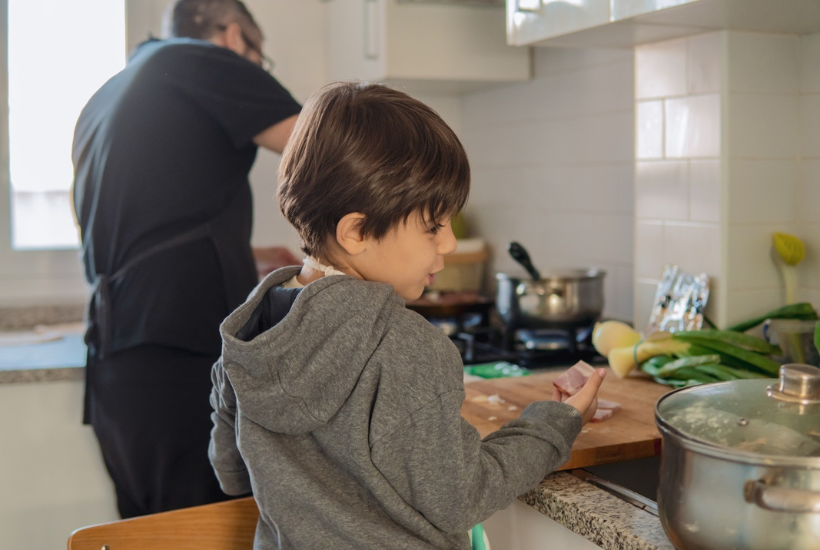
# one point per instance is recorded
(601, 518)
(45, 374)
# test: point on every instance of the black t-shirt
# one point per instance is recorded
(164, 147)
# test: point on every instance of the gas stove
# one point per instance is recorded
(528, 348)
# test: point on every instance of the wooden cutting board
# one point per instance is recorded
(629, 434)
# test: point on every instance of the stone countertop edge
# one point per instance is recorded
(601, 518)
(42, 374)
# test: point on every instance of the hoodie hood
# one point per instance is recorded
(293, 363)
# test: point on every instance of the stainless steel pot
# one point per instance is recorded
(559, 299)
(740, 465)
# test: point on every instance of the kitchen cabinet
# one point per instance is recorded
(424, 47)
(626, 23)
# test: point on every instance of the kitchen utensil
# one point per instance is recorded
(520, 255)
(558, 299)
(741, 463)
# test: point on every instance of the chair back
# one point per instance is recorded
(228, 525)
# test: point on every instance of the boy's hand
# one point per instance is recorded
(586, 400)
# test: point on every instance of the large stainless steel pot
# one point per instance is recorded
(559, 299)
(740, 466)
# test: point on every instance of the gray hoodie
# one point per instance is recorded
(341, 412)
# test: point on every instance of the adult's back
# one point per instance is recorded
(162, 154)
(163, 147)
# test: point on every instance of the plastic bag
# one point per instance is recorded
(679, 301)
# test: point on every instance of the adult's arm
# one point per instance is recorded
(276, 136)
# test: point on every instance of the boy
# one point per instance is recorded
(334, 403)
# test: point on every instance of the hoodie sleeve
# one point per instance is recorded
(439, 465)
(224, 455)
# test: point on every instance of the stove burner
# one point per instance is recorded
(531, 348)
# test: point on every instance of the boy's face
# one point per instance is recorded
(408, 256)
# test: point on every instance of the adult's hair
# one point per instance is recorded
(203, 18)
(368, 148)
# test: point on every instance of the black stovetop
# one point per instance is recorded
(532, 349)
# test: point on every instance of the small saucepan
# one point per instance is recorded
(567, 298)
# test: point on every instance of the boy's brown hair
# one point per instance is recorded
(368, 148)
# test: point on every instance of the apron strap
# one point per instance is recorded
(99, 329)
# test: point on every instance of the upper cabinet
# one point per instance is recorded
(626, 23)
(425, 47)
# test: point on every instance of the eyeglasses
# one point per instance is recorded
(264, 61)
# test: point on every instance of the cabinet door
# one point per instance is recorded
(444, 46)
(356, 40)
(530, 21)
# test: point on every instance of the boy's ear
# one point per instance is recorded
(349, 235)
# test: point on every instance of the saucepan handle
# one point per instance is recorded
(781, 499)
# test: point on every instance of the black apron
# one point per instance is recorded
(98, 330)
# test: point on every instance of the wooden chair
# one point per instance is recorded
(226, 525)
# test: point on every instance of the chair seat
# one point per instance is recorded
(226, 525)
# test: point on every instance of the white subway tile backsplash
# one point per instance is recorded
(662, 190)
(588, 188)
(763, 63)
(506, 145)
(660, 69)
(763, 126)
(693, 126)
(601, 138)
(762, 190)
(704, 63)
(751, 262)
(649, 130)
(810, 63)
(643, 300)
(810, 125)
(808, 194)
(649, 249)
(585, 92)
(592, 237)
(504, 105)
(808, 271)
(705, 191)
(551, 61)
(619, 300)
(502, 186)
(553, 166)
(696, 248)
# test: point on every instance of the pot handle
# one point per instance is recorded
(781, 499)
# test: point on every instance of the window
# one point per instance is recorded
(59, 53)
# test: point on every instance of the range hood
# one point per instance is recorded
(627, 23)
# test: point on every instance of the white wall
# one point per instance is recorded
(678, 185)
(552, 163)
(727, 151)
(808, 187)
(52, 477)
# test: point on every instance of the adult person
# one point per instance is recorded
(162, 154)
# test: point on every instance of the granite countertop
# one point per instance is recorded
(41, 344)
(598, 516)
(51, 361)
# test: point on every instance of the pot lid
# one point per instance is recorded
(765, 417)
